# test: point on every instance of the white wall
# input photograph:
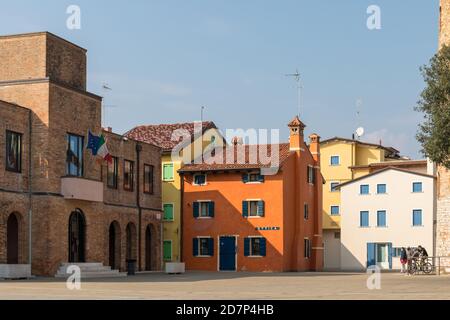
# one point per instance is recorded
(399, 203)
(332, 250)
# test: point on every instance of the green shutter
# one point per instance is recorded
(245, 209)
(196, 209)
(167, 250)
(168, 212)
(168, 171)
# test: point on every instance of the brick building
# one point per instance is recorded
(238, 218)
(79, 209)
(443, 201)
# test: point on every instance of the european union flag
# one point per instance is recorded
(93, 143)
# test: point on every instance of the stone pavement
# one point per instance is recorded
(241, 286)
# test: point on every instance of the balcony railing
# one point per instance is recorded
(81, 189)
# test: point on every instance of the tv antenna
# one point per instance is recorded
(297, 79)
(360, 130)
(105, 88)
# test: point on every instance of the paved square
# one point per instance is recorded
(200, 285)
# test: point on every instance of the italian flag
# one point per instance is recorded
(98, 146)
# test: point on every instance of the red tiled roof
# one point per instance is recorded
(161, 134)
(250, 151)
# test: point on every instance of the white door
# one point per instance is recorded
(382, 255)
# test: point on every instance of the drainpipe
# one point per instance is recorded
(181, 216)
(30, 177)
(138, 202)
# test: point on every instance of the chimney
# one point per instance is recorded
(237, 141)
(314, 146)
(296, 134)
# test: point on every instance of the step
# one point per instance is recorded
(63, 269)
(83, 264)
(104, 274)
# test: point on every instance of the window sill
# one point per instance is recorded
(254, 217)
(421, 226)
(362, 227)
(204, 218)
(199, 185)
(167, 220)
(170, 180)
(255, 256)
(204, 256)
(253, 182)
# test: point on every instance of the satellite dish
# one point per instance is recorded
(360, 132)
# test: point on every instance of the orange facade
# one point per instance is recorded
(270, 223)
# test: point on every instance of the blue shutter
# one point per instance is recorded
(390, 255)
(195, 247)
(245, 178)
(261, 208)
(245, 209)
(261, 178)
(370, 254)
(211, 246)
(211, 209)
(246, 247)
(263, 246)
(195, 208)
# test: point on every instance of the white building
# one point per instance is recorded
(383, 212)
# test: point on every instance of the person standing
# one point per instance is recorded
(403, 259)
(409, 257)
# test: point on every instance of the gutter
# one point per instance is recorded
(30, 191)
(138, 204)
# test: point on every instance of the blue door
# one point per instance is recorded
(227, 258)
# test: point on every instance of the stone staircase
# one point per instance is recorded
(90, 270)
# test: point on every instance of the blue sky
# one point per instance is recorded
(165, 59)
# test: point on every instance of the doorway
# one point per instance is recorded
(114, 245)
(227, 253)
(148, 249)
(77, 237)
(12, 239)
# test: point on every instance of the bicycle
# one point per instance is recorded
(421, 265)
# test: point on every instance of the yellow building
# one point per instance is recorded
(181, 143)
(343, 160)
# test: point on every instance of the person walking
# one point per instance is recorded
(403, 259)
(409, 257)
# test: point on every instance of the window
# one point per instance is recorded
(200, 179)
(381, 188)
(337, 235)
(74, 161)
(417, 218)
(335, 160)
(255, 247)
(333, 186)
(252, 177)
(203, 209)
(311, 175)
(335, 210)
(148, 179)
(396, 252)
(203, 247)
(364, 189)
(168, 172)
(364, 219)
(381, 218)
(167, 249)
(112, 173)
(306, 211)
(417, 187)
(128, 175)
(307, 248)
(168, 211)
(13, 151)
(253, 208)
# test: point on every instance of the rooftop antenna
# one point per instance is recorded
(201, 113)
(360, 130)
(297, 79)
(105, 88)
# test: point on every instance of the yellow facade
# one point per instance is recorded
(350, 153)
(171, 190)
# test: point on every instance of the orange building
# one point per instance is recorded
(236, 218)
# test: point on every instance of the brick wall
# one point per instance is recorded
(443, 213)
